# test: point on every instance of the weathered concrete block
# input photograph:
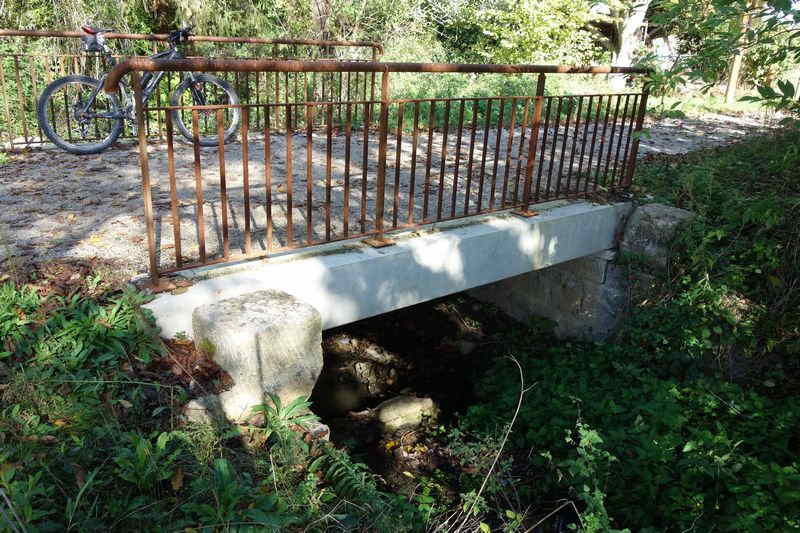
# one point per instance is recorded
(649, 231)
(585, 297)
(268, 341)
(403, 412)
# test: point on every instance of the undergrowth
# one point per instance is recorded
(688, 420)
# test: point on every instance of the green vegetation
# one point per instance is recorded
(689, 419)
(89, 439)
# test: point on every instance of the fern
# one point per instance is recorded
(349, 480)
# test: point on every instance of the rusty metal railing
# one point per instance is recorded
(357, 174)
(23, 76)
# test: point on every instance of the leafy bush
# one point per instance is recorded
(689, 420)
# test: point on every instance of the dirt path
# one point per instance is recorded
(56, 205)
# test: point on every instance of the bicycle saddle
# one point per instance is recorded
(94, 31)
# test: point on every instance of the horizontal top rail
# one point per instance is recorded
(269, 65)
(377, 48)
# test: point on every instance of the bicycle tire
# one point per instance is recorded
(65, 144)
(233, 99)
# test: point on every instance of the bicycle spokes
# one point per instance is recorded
(75, 118)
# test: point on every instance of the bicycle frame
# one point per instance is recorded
(150, 81)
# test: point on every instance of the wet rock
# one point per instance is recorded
(405, 412)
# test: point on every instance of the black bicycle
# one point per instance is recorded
(77, 115)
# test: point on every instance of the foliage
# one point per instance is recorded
(516, 32)
(714, 32)
(88, 442)
(689, 419)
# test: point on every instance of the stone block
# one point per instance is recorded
(650, 230)
(268, 341)
(586, 297)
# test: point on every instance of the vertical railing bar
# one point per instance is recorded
(246, 179)
(624, 160)
(223, 186)
(339, 108)
(471, 162)
(555, 144)
(601, 148)
(591, 147)
(384, 131)
(458, 158)
(509, 150)
(258, 108)
(364, 164)
(631, 166)
(173, 191)
(611, 140)
(523, 128)
(147, 194)
(347, 134)
(198, 185)
(623, 119)
(489, 102)
(563, 148)
(49, 80)
(328, 163)
(426, 187)
(498, 141)
(533, 145)
(268, 174)
(34, 92)
(413, 176)
(21, 101)
(309, 173)
(397, 161)
(9, 124)
(289, 177)
(583, 146)
(66, 103)
(574, 142)
(443, 162)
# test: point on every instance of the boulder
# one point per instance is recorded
(268, 341)
(650, 230)
(404, 412)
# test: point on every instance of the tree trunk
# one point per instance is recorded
(629, 40)
(736, 65)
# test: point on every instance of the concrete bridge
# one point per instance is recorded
(351, 281)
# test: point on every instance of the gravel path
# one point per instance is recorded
(56, 205)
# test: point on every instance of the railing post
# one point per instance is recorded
(380, 193)
(631, 163)
(145, 168)
(533, 143)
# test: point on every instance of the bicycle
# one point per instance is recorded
(90, 124)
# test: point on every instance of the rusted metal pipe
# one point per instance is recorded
(269, 65)
(377, 48)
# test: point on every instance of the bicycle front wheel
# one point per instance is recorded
(61, 117)
(211, 91)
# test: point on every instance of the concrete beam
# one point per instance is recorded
(352, 281)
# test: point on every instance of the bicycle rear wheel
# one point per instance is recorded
(58, 114)
(213, 91)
